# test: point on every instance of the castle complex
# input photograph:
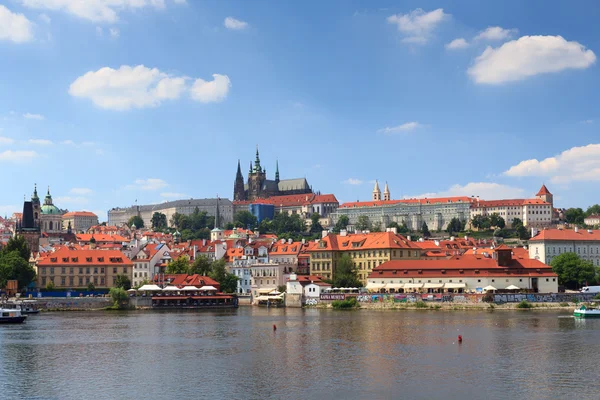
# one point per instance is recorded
(259, 187)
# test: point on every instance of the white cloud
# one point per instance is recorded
(418, 24)
(352, 181)
(6, 140)
(529, 56)
(173, 195)
(575, 164)
(456, 44)
(18, 155)
(587, 121)
(406, 127)
(180, 1)
(68, 142)
(14, 27)
(114, 32)
(234, 24)
(81, 191)
(33, 116)
(94, 10)
(71, 200)
(148, 184)
(211, 91)
(496, 33)
(99, 31)
(485, 190)
(140, 87)
(45, 18)
(40, 142)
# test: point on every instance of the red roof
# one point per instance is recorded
(70, 256)
(293, 200)
(181, 280)
(566, 234)
(363, 241)
(437, 200)
(507, 203)
(100, 238)
(79, 214)
(543, 190)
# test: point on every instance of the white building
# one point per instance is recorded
(146, 260)
(549, 243)
(267, 276)
(80, 221)
(592, 220)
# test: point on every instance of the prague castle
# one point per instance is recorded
(259, 187)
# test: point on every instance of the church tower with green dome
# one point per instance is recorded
(51, 216)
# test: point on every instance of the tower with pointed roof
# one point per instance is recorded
(545, 195)
(376, 192)
(239, 192)
(35, 203)
(277, 171)
(386, 192)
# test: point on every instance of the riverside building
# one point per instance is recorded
(546, 244)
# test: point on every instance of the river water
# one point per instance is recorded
(315, 354)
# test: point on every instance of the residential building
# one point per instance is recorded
(367, 250)
(221, 209)
(467, 273)
(146, 261)
(536, 212)
(436, 212)
(79, 221)
(592, 220)
(259, 187)
(286, 253)
(70, 268)
(312, 286)
(266, 278)
(546, 244)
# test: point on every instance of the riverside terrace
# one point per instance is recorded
(470, 273)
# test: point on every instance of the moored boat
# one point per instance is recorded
(11, 316)
(26, 306)
(585, 312)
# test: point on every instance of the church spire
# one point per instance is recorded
(257, 167)
(238, 175)
(277, 171)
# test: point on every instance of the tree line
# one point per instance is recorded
(203, 266)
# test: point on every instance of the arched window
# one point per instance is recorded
(35, 215)
(50, 225)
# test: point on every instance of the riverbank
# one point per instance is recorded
(448, 306)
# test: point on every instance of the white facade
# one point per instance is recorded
(80, 221)
(144, 265)
(244, 284)
(544, 284)
(312, 290)
(267, 276)
(546, 250)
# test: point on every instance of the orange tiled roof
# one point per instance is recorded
(437, 200)
(99, 237)
(507, 203)
(543, 190)
(363, 241)
(286, 248)
(566, 234)
(293, 200)
(79, 214)
(67, 256)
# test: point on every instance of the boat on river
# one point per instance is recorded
(585, 312)
(26, 306)
(11, 316)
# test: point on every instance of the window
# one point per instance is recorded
(81, 270)
(87, 270)
(114, 270)
(63, 281)
(124, 270)
(71, 271)
(51, 270)
(63, 270)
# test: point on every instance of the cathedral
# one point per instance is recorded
(259, 187)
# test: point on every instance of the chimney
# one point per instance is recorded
(282, 241)
(466, 237)
(408, 238)
(343, 232)
(303, 241)
(203, 242)
(290, 241)
(534, 232)
(195, 248)
(437, 242)
(324, 233)
(576, 229)
(452, 238)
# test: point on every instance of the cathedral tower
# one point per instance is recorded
(239, 192)
(376, 192)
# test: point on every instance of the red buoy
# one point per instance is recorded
(274, 327)
(459, 338)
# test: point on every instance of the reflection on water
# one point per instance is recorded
(313, 353)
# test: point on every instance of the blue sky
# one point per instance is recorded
(112, 101)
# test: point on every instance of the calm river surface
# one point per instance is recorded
(313, 354)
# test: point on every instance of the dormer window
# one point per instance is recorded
(65, 259)
(100, 259)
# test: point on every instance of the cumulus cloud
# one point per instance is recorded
(234, 24)
(352, 181)
(33, 116)
(529, 56)
(211, 91)
(94, 10)
(140, 87)
(18, 156)
(485, 190)
(575, 164)
(40, 142)
(456, 44)
(14, 27)
(148, 184)
(418, 25)
(6, 140)
(406, 127)
(81, 191)
(496, 33)
(173, 195)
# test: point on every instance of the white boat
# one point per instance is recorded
(585, 312)
(11, 316)
(26, 306)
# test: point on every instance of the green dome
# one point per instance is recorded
(50, 209)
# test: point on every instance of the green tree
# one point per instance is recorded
(19, 244)
(159, 221)
(315, 226)
(523, 233)
(341, 224)
(497, 221)
(425, 230)
(123, 282)
(179, 266)
(481, 222)
(142, 283)
(14, 267)
(454, 226)
(244, 219)
(281, 288)
(119, 297)
(50, 286)
(593, 210)
(137, 221)
(201, 266)
(230, 226)
(91, 287)
(516, 222)
(265, 226)
(219, 273)
(179, 221)
(575, 216)
(363, 223)
(376, 227)
(572, 271)
(346, 273)
(283, 223)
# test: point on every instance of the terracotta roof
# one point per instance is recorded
(363, 241)
(69, 256)
(293, 248)
(292, 200)
(543, 190)
(507, 203)
(566, 234)
(79, 214)
(99, 237)
(181, 280)
(424, 201)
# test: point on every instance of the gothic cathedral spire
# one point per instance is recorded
(257, 167)
(277, 171)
